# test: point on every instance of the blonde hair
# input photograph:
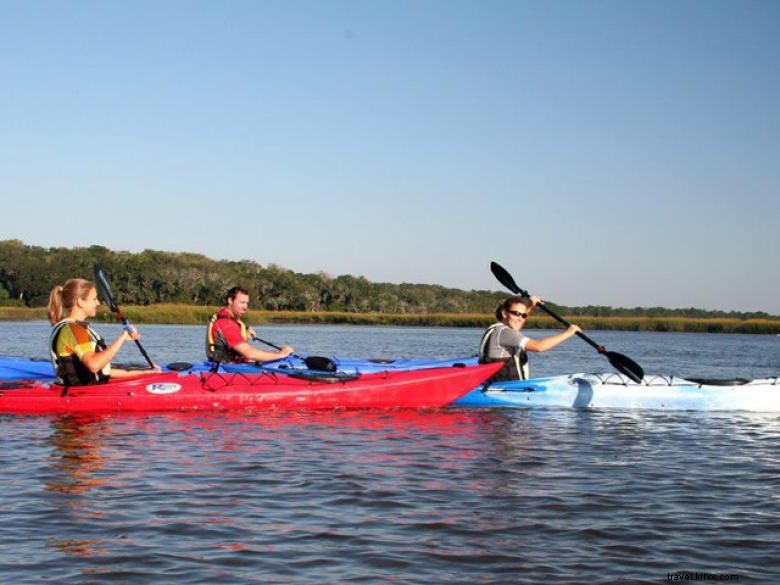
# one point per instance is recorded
(63, 298)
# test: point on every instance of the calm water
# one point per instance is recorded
(493, 496)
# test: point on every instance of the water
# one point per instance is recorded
(679, 354)
(485, 496)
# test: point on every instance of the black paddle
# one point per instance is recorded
(105, 292)
(313, 362)
(620, 362)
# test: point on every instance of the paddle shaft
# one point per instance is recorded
(105, 290)
(506, 279)
(268, 343)
(599, 348)
(524, 293)
(126, 324)
(313, 362)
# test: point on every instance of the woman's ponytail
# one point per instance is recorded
(55, 305)
(64, 298)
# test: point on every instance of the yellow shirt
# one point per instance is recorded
(75, 340)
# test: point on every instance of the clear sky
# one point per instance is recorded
(617, 153)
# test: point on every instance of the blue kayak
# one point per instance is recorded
(345, 365)
(12, 368)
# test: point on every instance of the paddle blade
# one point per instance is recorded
(320, 363)
(104, 289)
(625, 365)
(506, 279)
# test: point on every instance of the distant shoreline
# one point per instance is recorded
(170, 314)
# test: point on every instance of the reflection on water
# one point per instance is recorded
(78, 548)
(385, 496)
(77, 447)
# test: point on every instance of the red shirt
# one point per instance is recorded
(229, 328)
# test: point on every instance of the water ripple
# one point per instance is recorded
(400, 497)
(523, 496)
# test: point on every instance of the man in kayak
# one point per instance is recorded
(227, 337)
(79, 356)
(504, 342)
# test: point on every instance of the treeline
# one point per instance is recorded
(27, 274)
(167, 314)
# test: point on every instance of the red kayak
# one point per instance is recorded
(234, 391)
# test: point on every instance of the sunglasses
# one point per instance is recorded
(518, 314)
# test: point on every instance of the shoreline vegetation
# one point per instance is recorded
(184, 288)
(181, 314)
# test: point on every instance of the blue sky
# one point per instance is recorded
(616, 153)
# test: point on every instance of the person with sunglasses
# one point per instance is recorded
(504, 341)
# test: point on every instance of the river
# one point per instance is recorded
(485, 496)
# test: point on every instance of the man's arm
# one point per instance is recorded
(258, 355)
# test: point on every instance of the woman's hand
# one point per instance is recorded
(130, 333)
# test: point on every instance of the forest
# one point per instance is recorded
(27, 274)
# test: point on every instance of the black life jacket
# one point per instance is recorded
(217, 348)
(70, 370)
(515, 366)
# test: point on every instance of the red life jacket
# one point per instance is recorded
(217, 348)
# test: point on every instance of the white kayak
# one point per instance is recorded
(617, 391)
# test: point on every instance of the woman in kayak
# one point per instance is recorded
(79, 355)
(504, 342)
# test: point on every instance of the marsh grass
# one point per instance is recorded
(170, 314)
